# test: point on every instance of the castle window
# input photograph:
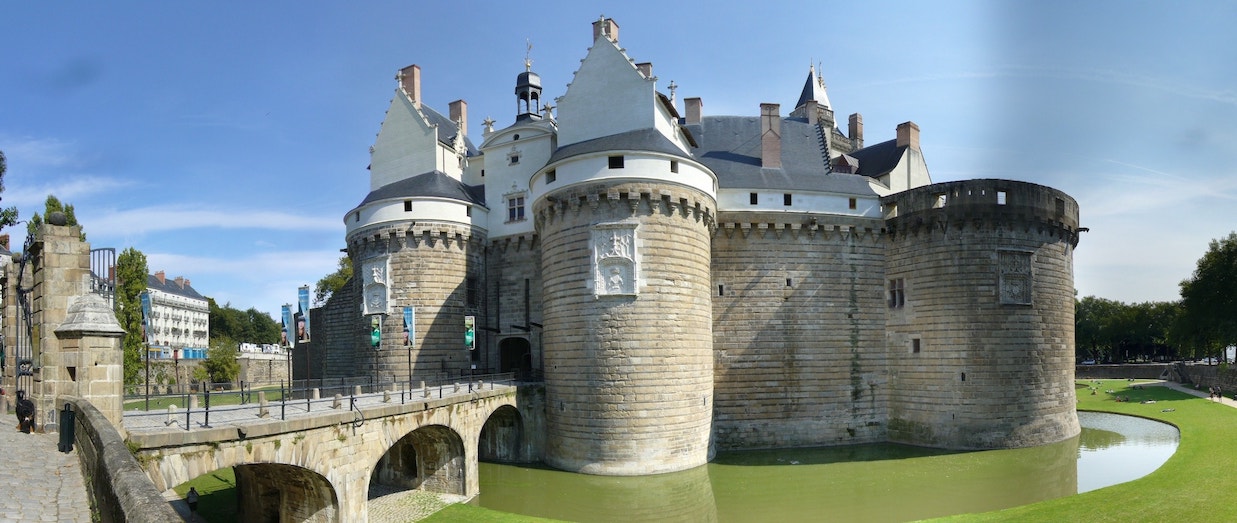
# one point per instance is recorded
(1060, 207)
(515, 208)
(897, 293)
(471, 292)
(752, 198)
(1000, 197)
(483, 173)
(790, 282)
(616, 162)
(674, 166)
(915, 347)
(356, 216)
(721, 289)
(515, 137)
(407, 205)
(468, 211)
(854, 204)
(515, 159)
(786, 199)
(551, 176)
(940, 200)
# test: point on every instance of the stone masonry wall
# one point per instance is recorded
(629, 375)
(982, 350)
(798, 331)
(513, 264)
(339, 321)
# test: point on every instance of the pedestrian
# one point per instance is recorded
(25, 412)
(192, 499)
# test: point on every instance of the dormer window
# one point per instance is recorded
(616, 162)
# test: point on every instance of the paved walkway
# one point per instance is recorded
(39, 483)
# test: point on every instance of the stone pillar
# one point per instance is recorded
(92, 356)
(60, 263)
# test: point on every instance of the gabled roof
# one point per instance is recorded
(433, 184)
(639, 140)
(447, 129)
(171, 287)
(730, 147)
(877, 160)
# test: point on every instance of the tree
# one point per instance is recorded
(220, 364)
(334, 281)
(251, 326)
(1208, 320)
(131, 274)
(51, 205)
(8, 216)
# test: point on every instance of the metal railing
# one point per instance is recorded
(302, 397)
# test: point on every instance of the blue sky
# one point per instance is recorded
(226, 140)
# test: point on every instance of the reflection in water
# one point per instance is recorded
(856, 483)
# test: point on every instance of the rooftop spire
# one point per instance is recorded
(814, 89)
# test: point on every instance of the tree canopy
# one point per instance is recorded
(131, 274)
(237, 326)
(334, 281)
(8, 216)
(1112, 331)
(1208, 322)
(51, 205)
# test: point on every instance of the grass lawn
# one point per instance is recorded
(1195, 484)
(216, 494)
(216, 399)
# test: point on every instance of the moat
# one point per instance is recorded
(858, 483)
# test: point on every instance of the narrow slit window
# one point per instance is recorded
(551, 176)
(752, 198)
(674, 166)
(915, 346)
(721, 290)
(854, 204)
(1000, 197)
(407, 205)
(786, 199)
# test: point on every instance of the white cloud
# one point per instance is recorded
(169, 218)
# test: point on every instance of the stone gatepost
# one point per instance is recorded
(92, 356)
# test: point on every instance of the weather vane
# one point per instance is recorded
(528, 62)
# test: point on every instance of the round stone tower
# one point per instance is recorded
(980, 297)
(627, 310)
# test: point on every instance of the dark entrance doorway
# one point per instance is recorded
(515, 355)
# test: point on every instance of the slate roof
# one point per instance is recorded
(169, 286)
(447, 129)
(433, 184)
(877, 160)
(639, 140)
(730, 146)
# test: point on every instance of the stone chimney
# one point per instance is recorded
(605, 26)
(410, 81)
(180, 281)
(813, 115)
(161, 277)
(459, 113)
(693, 108)
(645, 68)
(770, 136)
(908, 135)
(855, 130)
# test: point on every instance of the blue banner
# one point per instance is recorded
(145, 297)
(410, 326)
(302, 306)
(285, 322)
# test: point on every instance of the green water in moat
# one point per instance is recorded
(860, 483)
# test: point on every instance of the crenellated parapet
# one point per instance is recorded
(796, 227)
(416, 235)
(982, 204)
(635, 200)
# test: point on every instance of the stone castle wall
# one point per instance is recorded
(513, 271)
(336, 333)
(628, 327)
(981, 344)
(798, 323)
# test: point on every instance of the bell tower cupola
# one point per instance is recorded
(528, 92)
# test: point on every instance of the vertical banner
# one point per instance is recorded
(302, 305)
(375, 331)
(285, 321)
(145, 298)
(470, 332)
(410, 326)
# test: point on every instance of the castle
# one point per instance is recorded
(687, 282)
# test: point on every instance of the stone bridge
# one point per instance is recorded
(319, 466)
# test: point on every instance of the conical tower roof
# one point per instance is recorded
(814, 89)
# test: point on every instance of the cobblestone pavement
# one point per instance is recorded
(393, 505)
(241, 415)
(39, 483)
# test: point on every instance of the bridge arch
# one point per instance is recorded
(430, 458)
(502, 437)
(279, 492)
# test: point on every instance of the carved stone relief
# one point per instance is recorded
(375, 273)
(614, 259)
(1015, 277)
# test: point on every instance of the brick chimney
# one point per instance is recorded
(410, 81)
(459, 113)
(605, 26)
(855, 130)
(770, 136)
(645, 68)
(161, 277)
(908, 135)
(693, 108)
